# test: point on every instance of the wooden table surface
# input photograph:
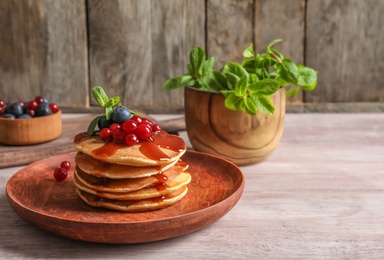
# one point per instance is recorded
(319, 196)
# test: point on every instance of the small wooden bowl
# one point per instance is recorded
(30, 131)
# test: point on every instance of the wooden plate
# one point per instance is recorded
(38, 198)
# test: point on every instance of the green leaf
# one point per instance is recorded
(235, 68)
(264, 87)
(207, 66)
(293, 91)
(196, 58)
(179, 82)
(288, 71)
(217, 81)
(269, 47)
(264, 103)
(92, 125)
(249, 52)
(248, 106)
(113, 101)
(108, 112)
(307, 78)
(99, 95)
(232, 80)
(232, 101)
(241, 87)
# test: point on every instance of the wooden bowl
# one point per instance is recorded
(30, 131)
(234, 135)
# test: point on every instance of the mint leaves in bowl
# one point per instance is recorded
(238, 112)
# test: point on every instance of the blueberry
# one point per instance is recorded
(24, 116)
(15, 109)
(43, 110)
(121, 114)
(10, 116)
(104, 123)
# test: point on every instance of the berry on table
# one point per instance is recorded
(65, 165)
(15, 109)
(60, 174)
(39, 100)
(32, 105)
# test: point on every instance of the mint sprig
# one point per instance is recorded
(249, 85)
(107, 103)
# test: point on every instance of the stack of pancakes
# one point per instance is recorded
(129, 178)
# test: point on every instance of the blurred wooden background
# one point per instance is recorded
(62, 48)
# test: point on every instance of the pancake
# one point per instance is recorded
(163, 149)
(145, 193)
(98, 168)
(126, 185)
(133, 205)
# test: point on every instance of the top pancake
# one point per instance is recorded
(164, 149)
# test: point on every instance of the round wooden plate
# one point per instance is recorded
(38, 198)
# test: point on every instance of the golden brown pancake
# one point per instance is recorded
(133, 205)
(116, 171)
(145, 193)
(164, 149)
(126, 185)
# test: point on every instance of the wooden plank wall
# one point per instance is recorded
(61, 48)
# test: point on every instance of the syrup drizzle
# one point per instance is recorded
(151, 148)
(162, 179)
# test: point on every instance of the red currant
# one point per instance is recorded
(118, 136)
(131, 139)
(146, 121)
(105, 133)
(39, 100)
(32, 104)
(31, 112)
(156, 128)
(129, 126)
(21, 102)
(137, 119)
(65, 165)
(60, 174)
(2, 103)
(115, 126)
(1, 110)
(54, 108)
(143, 131)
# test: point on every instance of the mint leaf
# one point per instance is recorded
(307, 78)
(108, 112)
(113, 101)
(269, 47)
(264, 87)
(179, 82)
(249, 52)
(241, 87)
(292, 92)
(232, 101)
(217, 81)
(99, 95)
(248, 106)
(207, 66)
(196, 57)
(92, 125)
(263, 103)
(288, 71)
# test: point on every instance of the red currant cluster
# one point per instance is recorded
(39, 106)
(130, 131)
(61, 173)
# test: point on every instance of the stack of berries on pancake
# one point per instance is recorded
(116, 173)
